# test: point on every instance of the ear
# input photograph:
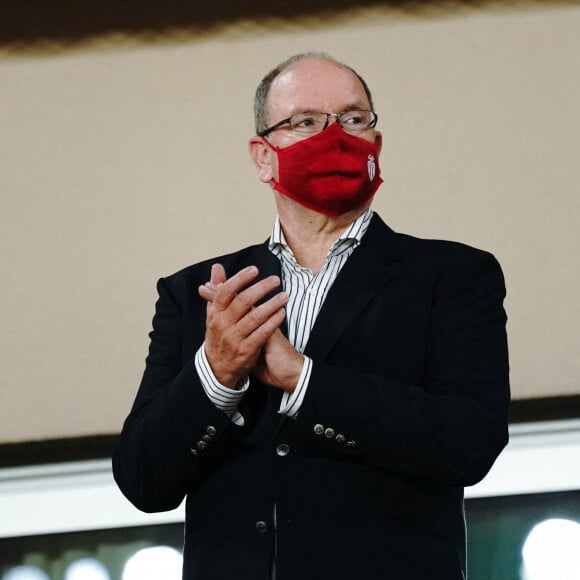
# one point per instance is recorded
(263, 158)
(378, 141)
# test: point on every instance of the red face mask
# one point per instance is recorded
(331, 172)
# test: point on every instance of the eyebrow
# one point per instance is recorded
(356, 106)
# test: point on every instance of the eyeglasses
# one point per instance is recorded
(312, 122)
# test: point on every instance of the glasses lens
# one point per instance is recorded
(357, 120)
(308, 122)
(351, 121)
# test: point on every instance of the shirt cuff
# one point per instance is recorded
(225, 399)
(291, 402)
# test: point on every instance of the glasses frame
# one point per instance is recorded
(372, 124)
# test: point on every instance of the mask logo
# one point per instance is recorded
(371, 167)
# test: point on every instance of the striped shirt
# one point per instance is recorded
(307, 293)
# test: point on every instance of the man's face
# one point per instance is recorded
(312, 84)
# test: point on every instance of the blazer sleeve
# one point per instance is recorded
(452, 426)
(172, 425)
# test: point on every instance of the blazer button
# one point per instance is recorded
(261, 527)
(207, 438)
(319, 429)
(201, 445)
(329, 433)
(282, 450)
(211, 430)
(340, 438)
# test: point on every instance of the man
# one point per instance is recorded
(321, 398)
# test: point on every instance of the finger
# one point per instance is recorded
(259, 315)
(258, 338)
(228, 290)
(207, 291)
(251, 296)
(217, 275)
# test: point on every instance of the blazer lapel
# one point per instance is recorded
(371, 266)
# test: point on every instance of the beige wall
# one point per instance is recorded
(122, 162)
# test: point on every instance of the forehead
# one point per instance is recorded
(315, 85)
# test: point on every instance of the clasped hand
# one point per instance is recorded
(242, 337)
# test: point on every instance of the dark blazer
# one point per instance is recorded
(407, 403)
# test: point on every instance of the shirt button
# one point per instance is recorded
(211, 430)
(282, 449)
(261, 527)
(319, 429)
(312, 291)
(329, 433)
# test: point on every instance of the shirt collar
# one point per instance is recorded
(353, 233)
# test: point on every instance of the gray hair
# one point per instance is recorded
(263, 90)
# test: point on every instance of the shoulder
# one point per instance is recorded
(437, 255)
(443, 252)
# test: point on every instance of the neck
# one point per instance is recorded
(310, 234)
